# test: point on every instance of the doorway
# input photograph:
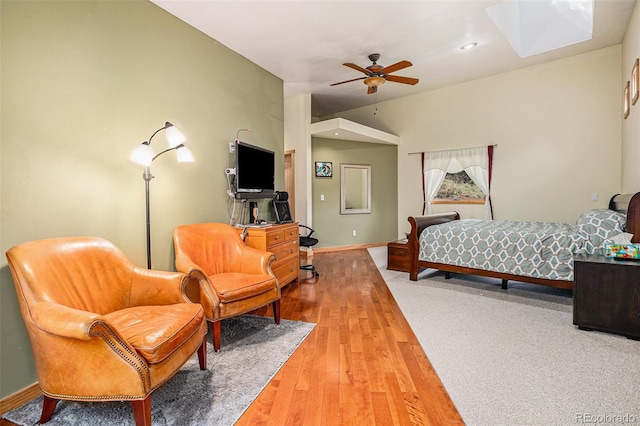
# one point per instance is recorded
(289, 180)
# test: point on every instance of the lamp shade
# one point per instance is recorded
(374, 81)
(174, 136)
(183, 155)
(142, 155)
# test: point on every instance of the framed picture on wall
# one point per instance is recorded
(635, 82)
(627, 101)
(324, 169)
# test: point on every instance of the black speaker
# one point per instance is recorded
(282, 196)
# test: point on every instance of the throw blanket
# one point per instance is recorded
(533, 249)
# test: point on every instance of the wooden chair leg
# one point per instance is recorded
(48, 407)
(216, 335)
(202, 354)
(276, 311)
(142, 411)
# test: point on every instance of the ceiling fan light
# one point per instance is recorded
(374, 81)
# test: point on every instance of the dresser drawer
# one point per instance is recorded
(286, 270)
(291, 233)
(275, 237)
(287, 249)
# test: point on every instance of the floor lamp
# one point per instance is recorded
(143, 155)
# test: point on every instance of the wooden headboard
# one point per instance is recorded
(629, 204)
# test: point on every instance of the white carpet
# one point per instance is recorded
(514, 357)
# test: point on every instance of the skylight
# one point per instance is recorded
(536, 26)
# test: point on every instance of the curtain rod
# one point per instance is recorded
(452, 149)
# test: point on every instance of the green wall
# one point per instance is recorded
(333, 229)
(82, 84)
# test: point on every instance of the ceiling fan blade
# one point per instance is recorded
(357, 68)
(395, 67)
(348, 81)
(404, 80)
(372, 89)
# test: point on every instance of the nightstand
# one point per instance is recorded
(606, 295)
(398, 256)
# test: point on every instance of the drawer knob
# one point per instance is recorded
(277, 237)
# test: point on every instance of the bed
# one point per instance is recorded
(533, 252)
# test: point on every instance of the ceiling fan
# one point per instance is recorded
(376, 74)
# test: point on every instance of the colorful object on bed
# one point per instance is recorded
(530, 249)
(622, 251)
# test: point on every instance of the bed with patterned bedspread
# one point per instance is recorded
(537, 252)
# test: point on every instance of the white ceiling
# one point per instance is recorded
(306, 42)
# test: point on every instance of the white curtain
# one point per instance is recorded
(474, 161)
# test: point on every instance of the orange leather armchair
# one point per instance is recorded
(231, 277)
(102, 329)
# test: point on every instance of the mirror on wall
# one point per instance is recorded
(355, 188)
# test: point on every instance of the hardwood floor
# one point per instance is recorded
(361, 365)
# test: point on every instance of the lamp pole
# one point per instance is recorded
(143, 155)
(147, 176)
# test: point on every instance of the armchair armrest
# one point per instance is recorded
(153, 287)
(76, 337)
(185, 264)
(197, 279)
(64, 321)
(207, 296)
(255, 261)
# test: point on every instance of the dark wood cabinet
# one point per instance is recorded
(398, 256)
(606, 295)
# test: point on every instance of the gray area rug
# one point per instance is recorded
(253, 348)
(514, 357)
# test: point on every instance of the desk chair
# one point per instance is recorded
(283, 215)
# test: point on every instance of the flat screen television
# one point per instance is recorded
(255, 171)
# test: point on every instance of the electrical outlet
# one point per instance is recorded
(232, 147)
(321, 197)
(594, 198)
(354, 233)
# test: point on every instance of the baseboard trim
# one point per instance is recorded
(19, 398)
(350, 247)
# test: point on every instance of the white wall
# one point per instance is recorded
(557, 127)
(630, 126)
(297, 137)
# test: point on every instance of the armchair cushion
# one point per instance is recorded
(237, 285)
(156, 331)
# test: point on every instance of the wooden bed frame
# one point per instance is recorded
(629, 203)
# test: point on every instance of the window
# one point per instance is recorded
(458, 188)
(475, 162)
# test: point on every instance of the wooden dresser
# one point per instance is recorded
(281, 240)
